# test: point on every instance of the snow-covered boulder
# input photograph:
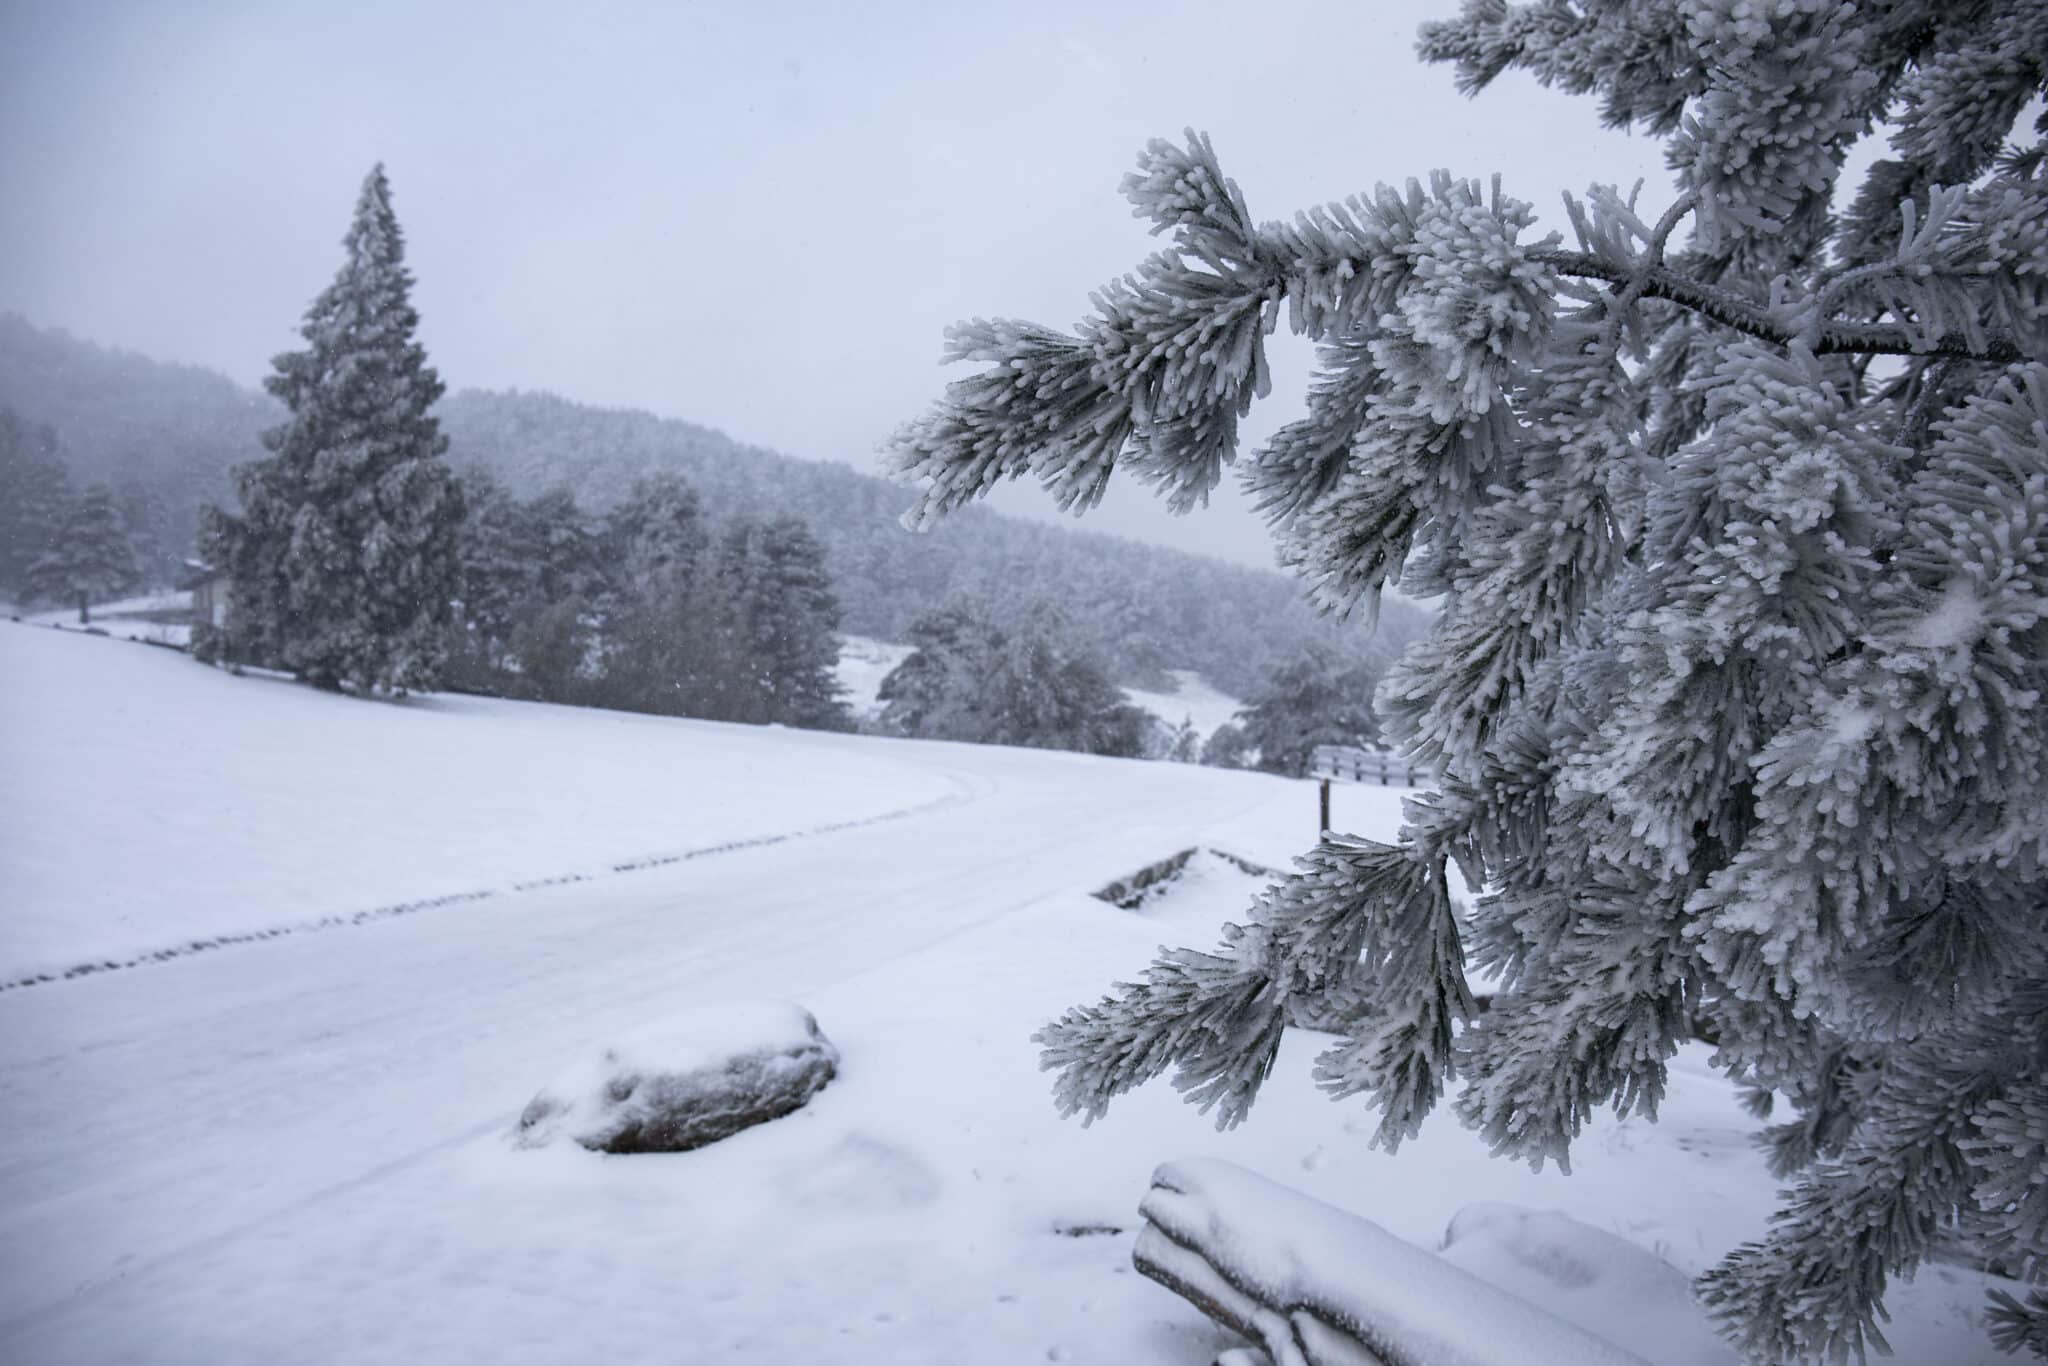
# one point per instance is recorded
(690, 1080)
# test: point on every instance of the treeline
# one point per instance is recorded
(1140, 609)
(650, 606)
(644, 607)
(59, 544)
(174, 431)
(161, 436)
(968, 678)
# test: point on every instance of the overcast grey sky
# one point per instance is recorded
(759, 217)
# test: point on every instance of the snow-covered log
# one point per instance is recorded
(1315, 1286)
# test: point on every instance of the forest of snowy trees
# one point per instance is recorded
(644, 608)
(165, 436)
(586, 582)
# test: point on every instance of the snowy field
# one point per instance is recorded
(1192, 700)
(300, 1149)
(863, 664)
(136, 618)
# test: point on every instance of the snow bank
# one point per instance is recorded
(1598, 1280)
(690, 1080)
(1301, 1276)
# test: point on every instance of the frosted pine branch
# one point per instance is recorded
(1836, 337)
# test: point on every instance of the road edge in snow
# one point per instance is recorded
(392, 910)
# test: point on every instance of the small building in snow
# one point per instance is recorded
(209, 589)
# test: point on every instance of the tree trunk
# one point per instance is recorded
(84, 617)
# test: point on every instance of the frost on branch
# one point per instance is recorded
(1735, 509)
(1368, 925)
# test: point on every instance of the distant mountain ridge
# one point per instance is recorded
(177, 429)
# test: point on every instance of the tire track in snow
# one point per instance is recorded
(964, 790)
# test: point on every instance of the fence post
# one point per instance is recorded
(1324, 828)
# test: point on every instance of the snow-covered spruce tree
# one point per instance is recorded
(1736, 501)
(344, 561)
(35, 494)
(89, 557)
(788, 619)
(1313, 699)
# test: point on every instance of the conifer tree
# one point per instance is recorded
(89, 557)
(35, 494)
(344, 560)
(654, 540)
(1313, 699)
(500, 570)
(1736, 502)
(565, 545)
(35, 497)
(930, 692)
(1226, 746)
(968, 680)
(147, 522)
(789, 618)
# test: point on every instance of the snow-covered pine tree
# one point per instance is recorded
(147, 521)
(89, 557)
(930, 692)
(654, 539)
(566, 546)
(1226, 746)
(500, 572)
(1313, 699)
(1737, 506)
(1033, 686)
(788, 616)
(35, 496)
(344, 560)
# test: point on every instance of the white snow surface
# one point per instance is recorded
(300, 1149)
(128, 618)
(152, 801)
(863, 664)
(1192, 700)
(1291, 1252)
(1596, 1279)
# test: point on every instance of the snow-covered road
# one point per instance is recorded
(297, 1148)
(177, 1107)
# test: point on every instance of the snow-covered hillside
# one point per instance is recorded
(300, 1148)
(863, 664)
(1192, 700)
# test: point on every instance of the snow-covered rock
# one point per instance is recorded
(690, 1080)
